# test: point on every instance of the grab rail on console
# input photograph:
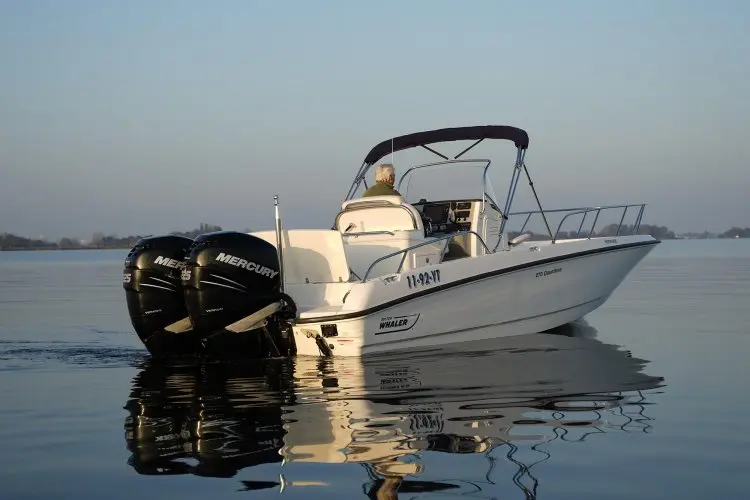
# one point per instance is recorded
(447, 237)
(369, 233)
(585, 211)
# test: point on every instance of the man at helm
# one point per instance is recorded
(385, 176)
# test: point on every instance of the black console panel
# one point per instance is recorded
(446, 216)
(437, 213)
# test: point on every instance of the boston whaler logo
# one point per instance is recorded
(245, 264)
(390, 324)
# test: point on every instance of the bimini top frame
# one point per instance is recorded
(477, 133)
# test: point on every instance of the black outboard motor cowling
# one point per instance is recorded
(152, 282)
(228, 276)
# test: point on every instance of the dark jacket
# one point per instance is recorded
(381, 189)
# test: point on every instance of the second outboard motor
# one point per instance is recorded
(231, 276)
(153, 290)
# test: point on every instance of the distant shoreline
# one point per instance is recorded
(128, 247)
(13, 243)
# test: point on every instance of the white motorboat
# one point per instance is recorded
(392, 273)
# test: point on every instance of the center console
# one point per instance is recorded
(446, 216)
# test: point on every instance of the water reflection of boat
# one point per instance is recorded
(227, 416)
(386, 412)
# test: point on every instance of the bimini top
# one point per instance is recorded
(478, 132)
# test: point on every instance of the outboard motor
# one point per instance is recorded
(153, 290)
(232, 285)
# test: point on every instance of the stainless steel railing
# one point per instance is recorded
(405, 251)
(585, 211)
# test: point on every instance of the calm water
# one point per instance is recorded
(647, 398)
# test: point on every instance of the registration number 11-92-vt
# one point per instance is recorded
(425, 278)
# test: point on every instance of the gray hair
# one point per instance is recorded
(385, 173)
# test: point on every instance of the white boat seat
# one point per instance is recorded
(393, 199)
(311, 255)
(377, 214)
(374, 226)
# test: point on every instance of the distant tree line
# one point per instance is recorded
(98, 240)
(658, 232)
(202, 229)
(736, 232)
(11, 241)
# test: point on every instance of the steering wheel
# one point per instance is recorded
(426, 223)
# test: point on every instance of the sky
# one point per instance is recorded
(145, 117)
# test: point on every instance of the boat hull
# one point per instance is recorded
(526, 290)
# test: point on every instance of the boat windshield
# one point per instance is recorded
(446, 180)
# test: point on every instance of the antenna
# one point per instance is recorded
(279, 241)
(392, 152)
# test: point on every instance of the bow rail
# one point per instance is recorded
(585, 211)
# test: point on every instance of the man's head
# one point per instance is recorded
(385, 173)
